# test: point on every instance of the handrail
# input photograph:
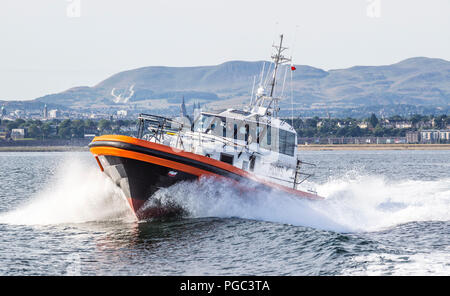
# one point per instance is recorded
(160, 123)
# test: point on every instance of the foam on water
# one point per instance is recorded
(77, 193)
(369, 203)
(435, 263)
(354, 204)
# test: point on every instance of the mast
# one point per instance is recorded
(261, 97)
(278, 59)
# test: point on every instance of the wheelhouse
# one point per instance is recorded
(246, 128)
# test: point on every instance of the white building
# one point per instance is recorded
(17, 133)
(54, 113)
(435, 136)
(122, 113)
(444, 135)
(363, 124)
(45, 113)
(403, 124)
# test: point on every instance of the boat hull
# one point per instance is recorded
(140, 168)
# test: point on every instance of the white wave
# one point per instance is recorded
(358, 204)
(370, 203)
(434, 264)
(78, 193)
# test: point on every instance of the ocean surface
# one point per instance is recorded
(384, 213)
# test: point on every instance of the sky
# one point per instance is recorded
(48, 46)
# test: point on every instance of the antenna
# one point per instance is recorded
(253, 89)
(278, 58)
(284, 81)
(268, 74)
(293, 68)
(262, 74)
(292, 101)
(258, 105)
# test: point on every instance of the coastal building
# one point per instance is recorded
(17, 133)
(433, 122)
(45, 113)
(183, 112)
(386, 123)
(429, 136)
(423, 124)
(412, 137)
(363, 124)
(3, 133)
(122, 113)
(403, 124)
(435, 136)
(54, 113)
(444, 136)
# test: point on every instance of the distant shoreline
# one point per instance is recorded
(313, 147)
(310, 147)
(43, 148)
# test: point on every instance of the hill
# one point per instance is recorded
(416, 81)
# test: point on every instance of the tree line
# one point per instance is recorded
(67, 128)
(351, 127)
(307, 127)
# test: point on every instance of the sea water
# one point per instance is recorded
(384, 213)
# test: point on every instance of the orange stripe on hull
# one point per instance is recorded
(151, 159)
(170, 150)
(105, 150)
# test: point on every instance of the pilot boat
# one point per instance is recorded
(251, 147)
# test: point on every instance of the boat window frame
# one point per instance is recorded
(267, 136)
(286, 140)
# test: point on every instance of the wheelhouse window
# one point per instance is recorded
(224, 128)
(209, 124)
(286, 142)
(265, 138)
(247, 132)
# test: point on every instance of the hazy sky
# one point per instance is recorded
(47, 46)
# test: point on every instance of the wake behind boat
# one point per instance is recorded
(252, 147)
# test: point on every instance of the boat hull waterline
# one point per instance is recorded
(140, 168)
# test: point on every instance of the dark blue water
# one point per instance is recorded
(385, 213)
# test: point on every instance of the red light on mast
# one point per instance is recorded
(293, 68)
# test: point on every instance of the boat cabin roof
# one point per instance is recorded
(242, 115)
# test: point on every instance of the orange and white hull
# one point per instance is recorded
(141, 167)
